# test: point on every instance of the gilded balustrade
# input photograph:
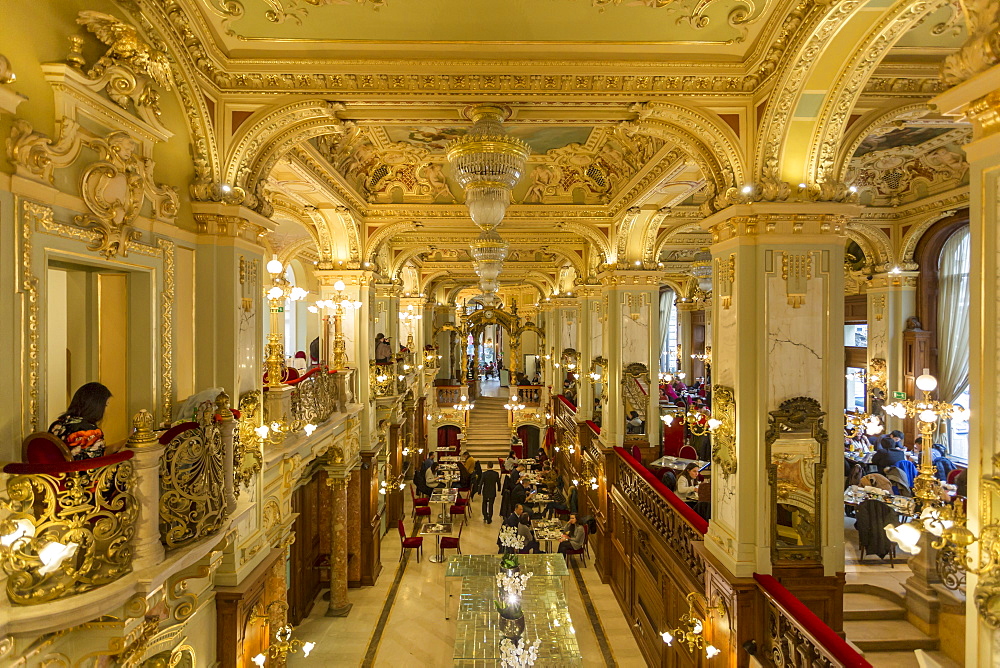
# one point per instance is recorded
(69, 529)
(193, 484)
(382, 378)
(530, 395)
(248, 456)
(315, 396)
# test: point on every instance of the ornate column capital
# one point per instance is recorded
(790, 222)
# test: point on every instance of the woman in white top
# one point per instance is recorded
(687, 483)
(431, 478)
(510, 463)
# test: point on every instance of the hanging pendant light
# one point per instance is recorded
(487, 163)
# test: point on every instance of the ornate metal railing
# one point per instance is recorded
(315, 396)
(195, 491)
(431, 359)
(248, 456)
(382, 378)
(530, 395)
(448, 395)
(680, 526)
(794, 636)
(70, 527)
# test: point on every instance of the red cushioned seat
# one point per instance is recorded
(44, 448)
(418, 501)
(409, 542)
(459, 510)
(449, 543)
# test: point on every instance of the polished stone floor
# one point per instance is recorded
(412, 631)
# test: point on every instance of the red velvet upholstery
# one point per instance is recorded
(844, 654)
(449, 543)
(952, 475)
(409, 542)
(685, 511)
(44, 448)
(56, 468)
(582, 552)
(459, 510)
(421, 511)
(688, 452)
(418, 501)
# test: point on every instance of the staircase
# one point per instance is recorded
(489, 430)
(875, 623)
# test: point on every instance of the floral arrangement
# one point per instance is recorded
(511, 586)
(511, 542)
(514, 655)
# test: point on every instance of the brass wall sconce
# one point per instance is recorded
(283, 643)
(690, 629)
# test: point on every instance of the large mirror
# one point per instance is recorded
(796, 446)
(635, 395)
(569, 374)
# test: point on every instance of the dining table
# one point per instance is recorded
(443, 497)
(437, 529)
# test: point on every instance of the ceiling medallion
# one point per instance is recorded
(487, 163)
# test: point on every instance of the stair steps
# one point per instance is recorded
(875, 623)
(488, 436)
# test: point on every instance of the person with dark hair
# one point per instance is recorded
(383, 351)
(489, 485)
(888, 454)
(687, 483)
(78, 426)
(572, 538)
(531, 545)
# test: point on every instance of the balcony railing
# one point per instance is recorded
(672, 518)
(448, 395)
(316, 395)
(530, 395)
(795, 636)
(382, 378)
(195, 491)
(70, 527)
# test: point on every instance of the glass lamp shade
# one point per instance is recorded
(489, 247)
(906, 535)
(926, 383)
(487, 163)
(488, 271)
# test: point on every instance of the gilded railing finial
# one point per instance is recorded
(223, 409)
(142, 435)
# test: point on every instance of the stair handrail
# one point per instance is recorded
(816, 636)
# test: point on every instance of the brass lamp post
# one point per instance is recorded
(338, 306)
(279, 292)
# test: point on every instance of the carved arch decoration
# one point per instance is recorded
(598, 241)
(908, 248)
(399, 262)
(626, 228)
(670, 234)
(651, 231)
(350, 227)
(712, 146)
(383, 234)
(873, 241)
(267, 135)
(884, 121)
(172, 30)
(819, 49)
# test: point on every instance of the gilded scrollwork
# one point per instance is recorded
(248, 457)
(192, 485)
(724, 436)
(90, 515)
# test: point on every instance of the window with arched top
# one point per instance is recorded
(291, 342)
(953, 331)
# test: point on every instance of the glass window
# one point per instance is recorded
(291, 344)
(958, 431)
(855, 390)
(856, 336)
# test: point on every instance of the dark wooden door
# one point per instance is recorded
(306, 556)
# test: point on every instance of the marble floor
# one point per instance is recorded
(413, 632)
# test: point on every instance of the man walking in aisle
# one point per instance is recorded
(489, 486)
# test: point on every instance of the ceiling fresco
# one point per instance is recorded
(540, 139)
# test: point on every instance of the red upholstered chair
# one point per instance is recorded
(409, 543)
(688, 452)
(583, 551)
(460, 510)
(420, 511)
(449, 543)
(44, 448)
(418, 500)
(952, 475)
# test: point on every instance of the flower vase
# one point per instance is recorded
(512, 627)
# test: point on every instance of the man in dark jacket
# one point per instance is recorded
(488, 487)
(883, 459)
(512, 520)
(519, 493)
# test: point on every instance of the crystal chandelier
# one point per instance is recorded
(489, 250)
(487, 163)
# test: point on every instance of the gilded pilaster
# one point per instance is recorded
(339, 606)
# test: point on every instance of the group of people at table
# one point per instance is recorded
(520, 484)
(885, 462)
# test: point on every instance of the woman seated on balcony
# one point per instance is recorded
(77, 427)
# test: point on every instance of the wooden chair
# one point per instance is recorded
(420, 511)
(459, 509)
(449, 543)
(688, 452)
(418, 500)
(409, 542)
(583, 552)
(44, 448)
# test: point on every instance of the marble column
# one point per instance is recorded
(631, 303)
(977, 99)
(339, 605)
(276, 588)
(354, 530)
(891, 300)
(777, 334)
(685, 339)
(591, 346)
